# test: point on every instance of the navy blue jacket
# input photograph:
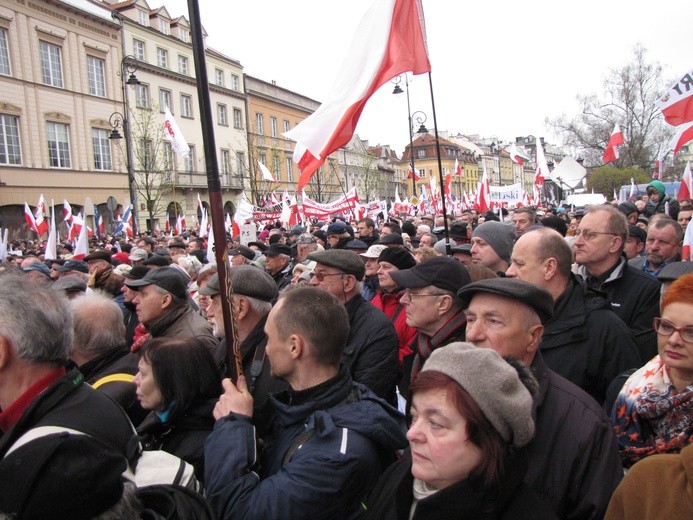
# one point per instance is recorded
(328, 476)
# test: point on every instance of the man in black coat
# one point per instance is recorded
(573, 459)
(371, 352)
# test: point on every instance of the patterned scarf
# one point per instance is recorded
(650, 416)
(451, 331)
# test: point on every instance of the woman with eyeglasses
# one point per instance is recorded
(654, 410)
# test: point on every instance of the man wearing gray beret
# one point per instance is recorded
(253, 293)
(574, 459)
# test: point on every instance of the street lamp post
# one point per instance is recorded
(128, 67)
(419, 117)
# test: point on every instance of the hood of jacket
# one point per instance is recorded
(345, 404)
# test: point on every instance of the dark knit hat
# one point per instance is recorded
(535, 297)
(336, 228)
(168, 278)
(391, 239)
(441, 271)
(74, 265)
(400, 257)
(493, 383)
(627, 208)
(61, 476)
(499, 236)
(357, 245)
(341, 259)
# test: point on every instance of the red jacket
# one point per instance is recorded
(389, 304)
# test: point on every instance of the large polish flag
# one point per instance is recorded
(686, 187)
(542, 165)
(29, 217)
(514, 156)
(683, 135)
(616, 140)
(390, 40)
(677, 104)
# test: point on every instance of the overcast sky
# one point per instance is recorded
(498, 68)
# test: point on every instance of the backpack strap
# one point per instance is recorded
(113, 378)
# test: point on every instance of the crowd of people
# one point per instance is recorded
(518, 368)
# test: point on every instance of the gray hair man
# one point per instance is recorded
(100, 351)
(253, 293)
(35, 390)
(573, 459)
(372, 347)
(663, 246)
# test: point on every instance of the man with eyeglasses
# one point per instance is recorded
(372, 347)
(634, 295)
(663, 246)
(431, 306)
(584, 341)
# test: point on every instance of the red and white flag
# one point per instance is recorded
(677, 104)
(172, 133)
(82, 245)
(51, 252)
(390, 40)
(41, 223)
(448, 182)
(266, 174)
(686, 187)
(483, 193)
(659, 167)
(67, 211)
(616, 140)
(542, 165)
(514, 156)
(687, 250)
(683, 135)
(29, 217)
(412, 174)
(458, 170)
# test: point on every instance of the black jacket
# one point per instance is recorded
(393, 496)
(183, 436)
(113, 374)
(586, 342)
(573, 459)
(652, 208)
(371, 352)
(131, 321)
(71, 403)
(634, 297)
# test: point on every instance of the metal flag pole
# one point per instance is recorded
(233, 353)
(448, 250)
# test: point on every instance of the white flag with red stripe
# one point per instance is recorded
(390, 40)
(29, 218)
(458, 170)
(514, 156)
(677, 104)
(616, 140)
(172, 133)
(687, 251)
(686, 187)
(67, 211)
(683, 135)
(542, 165)
(41, 224)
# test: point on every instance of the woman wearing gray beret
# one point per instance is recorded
(471, 415)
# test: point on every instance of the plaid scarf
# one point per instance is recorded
(650, 416)
(453, 330)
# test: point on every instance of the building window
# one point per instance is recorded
(183, 64)
(219, 77)
(421, 153)
(169, 160)
(235, 82)
(222, 115)
(422, 173)
(184, 36)
(289, 169)
(189, 161)
(185, 105)
(225, 162)
(262, 157)
(165, 27)
(143, 18)
(102, 149)
(273, 127)
(240, 162)
(51, 65)
(164, 99)
(275, 166)
(96, 76)
(237, 118)
(10, 152)
(4, 53)
(287, 126)
(58, 145)
(142, 95)
(260, 124)
(162, 57)
(138, 50)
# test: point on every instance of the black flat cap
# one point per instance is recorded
(278, 249)
(74, 265)
(158, 260)
(535, 297)
(98, 255)
(136, 273)
(341, 259)
(358, 245)
(637, 232)
(441, 271)
(674, 270)
(391, 239)
(244, 251)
